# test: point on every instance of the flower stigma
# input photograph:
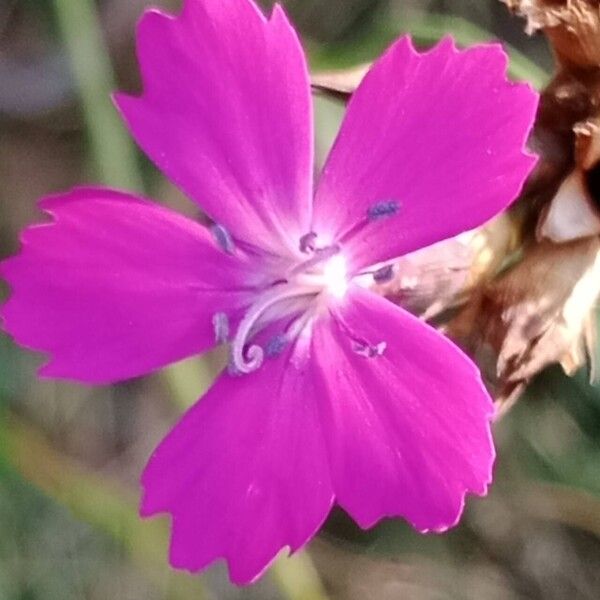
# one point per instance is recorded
(287, 305)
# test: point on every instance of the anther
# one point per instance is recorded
(383, 210)
(384, 274)
(308, 242)
(220, 323)
(276, 345)
(320, 255)
(368, 350)
(223, 238)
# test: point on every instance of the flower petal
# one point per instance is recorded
(226, 113)
(245, 472)
(116, 286)
(440, 136)
(408, 431)
(253, 467)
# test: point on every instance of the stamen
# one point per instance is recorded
(299, 324)
(367, 350)
(250, 359)
(319, 256)
(276, 345)
(223, 238)
(308, 242)
(220, 323)
(384, 274)
(383, 210)
(376, 212)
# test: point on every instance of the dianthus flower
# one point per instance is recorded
(333, 394)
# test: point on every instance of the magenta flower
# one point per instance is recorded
(333, 394)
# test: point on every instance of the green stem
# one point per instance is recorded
(112, 150)
(99, 502)
(189, 379)
(297, 578)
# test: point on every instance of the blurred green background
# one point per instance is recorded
(70, 456)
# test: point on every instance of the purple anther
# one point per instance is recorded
(276, 345)
(383, 210)
(367, 350)
(308, 242)
(223, 238)
(220, 323)
(384, 274)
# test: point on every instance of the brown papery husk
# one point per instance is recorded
(572, 26)
(537, 314)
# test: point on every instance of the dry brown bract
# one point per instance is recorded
(339, 84)
(537, 314)
(572, 26)
(574, 210)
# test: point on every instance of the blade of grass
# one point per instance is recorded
(108, 508)
(99, 502)
(188, 379)
(113, 153)
(297, 578)
(425, 30)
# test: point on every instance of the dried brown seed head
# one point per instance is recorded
(572, 26)
(537, 314)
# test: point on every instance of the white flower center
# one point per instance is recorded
(291, 303)
(335, 276)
